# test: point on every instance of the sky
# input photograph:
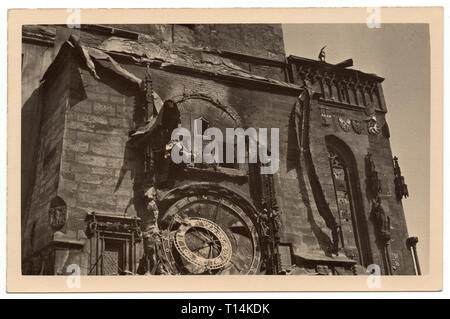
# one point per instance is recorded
(400, 53)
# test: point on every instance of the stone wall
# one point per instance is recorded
(96, 162)
(193, 46)
(37, 55)
(55, 97)
(360, 145)
(260, 109)
(379, 146)
(344, 103)
(260, 40)
(96, 172)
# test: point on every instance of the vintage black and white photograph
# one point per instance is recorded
(290, 149)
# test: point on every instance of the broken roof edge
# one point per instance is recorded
(62, 55)
(133, 35)
(90, 54)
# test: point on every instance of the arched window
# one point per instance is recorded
(354, 241)
(200, 113)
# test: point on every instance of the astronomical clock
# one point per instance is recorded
(207, 234)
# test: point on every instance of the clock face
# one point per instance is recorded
(212, 235)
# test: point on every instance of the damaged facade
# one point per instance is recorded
(99, 191)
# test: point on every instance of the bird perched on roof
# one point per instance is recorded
(322, 54)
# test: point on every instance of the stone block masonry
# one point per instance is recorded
(83, 153)
(95, 159)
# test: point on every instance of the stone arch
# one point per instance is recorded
(194, 107)
(230, 111)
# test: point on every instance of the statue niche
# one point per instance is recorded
(57, 213)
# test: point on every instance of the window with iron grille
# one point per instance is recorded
(113, 244)
(113, 257)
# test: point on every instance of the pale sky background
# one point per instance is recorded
(400, 53)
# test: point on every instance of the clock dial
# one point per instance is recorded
(211, 235)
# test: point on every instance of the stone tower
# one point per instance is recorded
(99, 191)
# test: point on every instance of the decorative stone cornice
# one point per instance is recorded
(332, 71)
(112, 223)
(336, 84)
